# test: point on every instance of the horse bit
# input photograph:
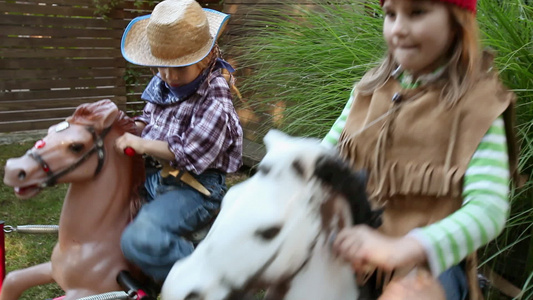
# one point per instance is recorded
(98, 147)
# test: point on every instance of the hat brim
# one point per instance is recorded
(135, 46)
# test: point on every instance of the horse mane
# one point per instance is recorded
(95, 114)
(342, 179)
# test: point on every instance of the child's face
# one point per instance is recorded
(418, 33)
(179, 76)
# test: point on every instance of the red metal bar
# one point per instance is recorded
(2, 255)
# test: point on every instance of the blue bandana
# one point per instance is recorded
(160, 93)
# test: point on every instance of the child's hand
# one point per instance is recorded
(128, 140)
(366, 249)
(417, 285)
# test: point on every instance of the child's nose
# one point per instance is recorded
(169, 73)
(400, 26)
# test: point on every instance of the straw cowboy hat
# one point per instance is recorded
(178, 33)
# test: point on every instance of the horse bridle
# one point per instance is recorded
(98, 148)
(282, 282)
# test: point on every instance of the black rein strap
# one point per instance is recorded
(97, 147)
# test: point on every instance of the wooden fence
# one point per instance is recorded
(57, 54)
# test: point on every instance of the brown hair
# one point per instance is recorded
(464, 66)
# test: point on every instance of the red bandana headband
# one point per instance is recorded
(467, 4)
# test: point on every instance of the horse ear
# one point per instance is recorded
(274, 137)
(109, 112)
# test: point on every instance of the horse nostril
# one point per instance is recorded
(193, 296)
(22, 175)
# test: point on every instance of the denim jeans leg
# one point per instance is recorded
(151, 184)
(154, 240)
(454, 283)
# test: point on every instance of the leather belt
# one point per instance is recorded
(185, 177)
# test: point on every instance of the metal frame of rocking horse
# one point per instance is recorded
(2, 255)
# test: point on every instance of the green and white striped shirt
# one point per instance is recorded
(485, 200)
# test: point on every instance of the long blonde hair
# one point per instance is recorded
(209, 62)
(464, 66)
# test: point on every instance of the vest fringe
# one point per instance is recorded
(395, 178)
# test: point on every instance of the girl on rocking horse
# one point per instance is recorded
(432, 125)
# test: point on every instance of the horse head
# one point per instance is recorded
(72, 151)
(274, 230)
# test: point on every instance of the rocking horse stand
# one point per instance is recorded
(2, 255)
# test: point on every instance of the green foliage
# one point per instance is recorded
(104, 7)
(310, 60)
(139, 3)
(132, 76)
(26, 250)
(136, 79)
(507, 27)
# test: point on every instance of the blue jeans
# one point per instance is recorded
(155, 239)
(454, 283)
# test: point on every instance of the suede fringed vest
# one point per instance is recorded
(416, 148)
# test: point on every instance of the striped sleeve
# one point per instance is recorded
(485, 206)
(332, 137)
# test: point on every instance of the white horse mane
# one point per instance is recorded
(274, 230)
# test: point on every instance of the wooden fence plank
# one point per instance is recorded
(25, 20)
(56, 2)
(57, 103)
(25, 125)
(7, 98)
(29, 115)
(60, 32)
(57, 42)
(60, 63)
(7, 53)
(59, 83)
(34, 8)
(59, 73)
(253, 152)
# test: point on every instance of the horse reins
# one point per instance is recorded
(98, 147)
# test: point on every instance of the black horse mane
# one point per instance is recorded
(338, 174)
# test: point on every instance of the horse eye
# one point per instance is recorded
(269, 233)
(76, 147)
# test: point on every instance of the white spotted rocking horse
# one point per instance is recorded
(275, 230)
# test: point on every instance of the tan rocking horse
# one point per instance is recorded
(101, 200)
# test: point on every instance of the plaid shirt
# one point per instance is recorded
(203, 131)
